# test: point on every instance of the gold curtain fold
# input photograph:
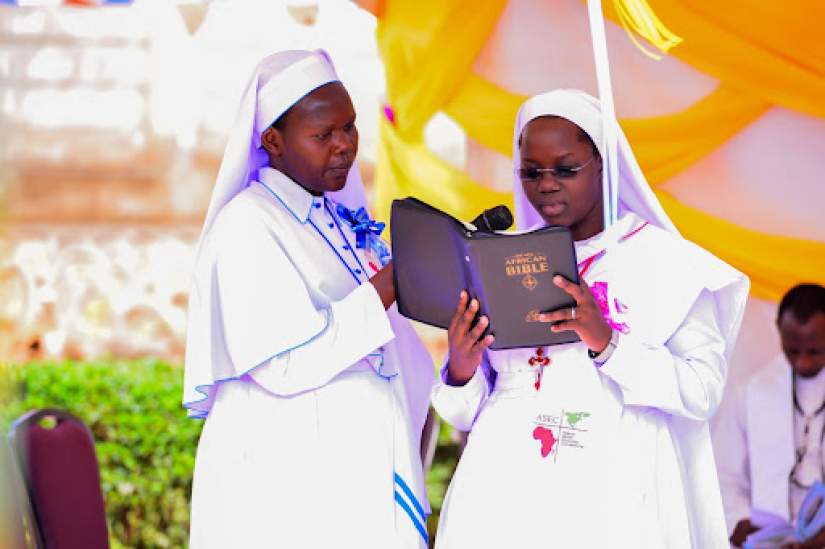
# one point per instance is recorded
(428, 48)
(773, 263)
(410, 169)
(664, 145)
(638, 19)
(770, 50)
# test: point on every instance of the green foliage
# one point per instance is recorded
(445, 460)
(145, 443)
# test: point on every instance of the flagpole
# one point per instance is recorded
(610, 167)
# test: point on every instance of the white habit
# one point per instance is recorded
(614, 456)
(314, 395)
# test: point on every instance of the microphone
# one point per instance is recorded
(498, 218)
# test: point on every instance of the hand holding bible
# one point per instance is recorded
(467, 343)
(585, 318)
(384, 284)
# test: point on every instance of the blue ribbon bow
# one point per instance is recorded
(361, 224)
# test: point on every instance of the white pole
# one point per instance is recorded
(610, 165)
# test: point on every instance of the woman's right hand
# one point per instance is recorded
(384, 284)
(466, 345)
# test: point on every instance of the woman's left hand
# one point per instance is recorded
(585, 318)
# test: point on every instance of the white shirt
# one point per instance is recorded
(810, 393)
(755, 437)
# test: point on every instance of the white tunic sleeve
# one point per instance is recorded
(264, 315)
(685, 376)
(357, 326)
(459, 405)
(730, 441)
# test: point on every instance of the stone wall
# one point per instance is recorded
(112, 126)
(77, 142)
(94, 290)
(100, 211)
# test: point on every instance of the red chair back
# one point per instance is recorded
(60, 471)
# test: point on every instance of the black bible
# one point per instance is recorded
(511, 274)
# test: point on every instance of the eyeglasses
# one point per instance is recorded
(534, 175)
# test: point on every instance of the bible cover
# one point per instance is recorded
(511, 274)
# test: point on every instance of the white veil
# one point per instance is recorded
(279, 81)
(634, 193)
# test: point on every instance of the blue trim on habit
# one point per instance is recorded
(409, 493)
(418, 526)
(378, 369)
(302, 220)
(204, 389)
(341, 232)
(306, 219)
(334, 249)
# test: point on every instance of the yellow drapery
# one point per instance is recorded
(428, 48)
(664, 145)
(771, 50)
(410, 169)
(427, 57)
(773, 263)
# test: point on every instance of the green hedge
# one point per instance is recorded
(446, 457)
(145, 443)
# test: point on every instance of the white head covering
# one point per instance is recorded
(635, 195)
(280, 80)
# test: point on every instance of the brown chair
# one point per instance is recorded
(60, 471)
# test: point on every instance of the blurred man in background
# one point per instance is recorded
(768, 441)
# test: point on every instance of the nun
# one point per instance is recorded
(313, 389)
(603, 442)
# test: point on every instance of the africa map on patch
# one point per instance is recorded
(547, 438)
(556, 431)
